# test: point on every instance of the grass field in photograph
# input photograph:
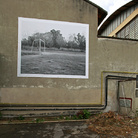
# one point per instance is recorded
(54, 63)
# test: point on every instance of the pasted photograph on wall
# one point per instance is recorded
(52, 49)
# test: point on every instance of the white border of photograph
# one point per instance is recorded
(34, 24)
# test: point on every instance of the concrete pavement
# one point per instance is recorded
(73, 129)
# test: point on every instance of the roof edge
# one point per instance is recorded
(101, 12)
(117, 38)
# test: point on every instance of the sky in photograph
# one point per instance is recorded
(30, 26)
(110, 5)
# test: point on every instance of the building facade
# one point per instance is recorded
(26, 88)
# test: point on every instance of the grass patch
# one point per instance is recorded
(63, 63)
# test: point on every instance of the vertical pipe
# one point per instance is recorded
(136, 81)
(106, 90)
(118, 107)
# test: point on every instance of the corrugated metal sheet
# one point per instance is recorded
(130, 30)
(118, 20)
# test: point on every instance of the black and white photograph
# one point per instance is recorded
(52, 49)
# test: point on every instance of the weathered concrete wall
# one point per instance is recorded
(44, 90)
(117, 57)
(104, 55)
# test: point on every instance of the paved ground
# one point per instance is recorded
(47, 130)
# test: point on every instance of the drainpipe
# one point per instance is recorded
(137, 81)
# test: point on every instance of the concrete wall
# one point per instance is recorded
(44, 90)
(104, 55)
(118, 57)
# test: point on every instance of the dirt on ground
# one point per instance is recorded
(113, 124)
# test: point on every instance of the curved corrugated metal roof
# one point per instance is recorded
(115, 14)
(101, 12)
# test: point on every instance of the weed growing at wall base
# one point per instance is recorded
(21, 117)
(85, 114)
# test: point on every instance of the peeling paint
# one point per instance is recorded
(40, 86)
(6, 58)
(51, 84)
(87, 86)
(16, 86)
(32, 86)
(76, 87)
